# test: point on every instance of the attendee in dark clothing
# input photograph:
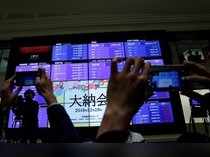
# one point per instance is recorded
(17, 109)
(62, 127)
(17, 106)
(7, 98)
(30, 110)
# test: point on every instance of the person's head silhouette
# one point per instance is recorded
(197, 53)
(20, 99)
(29, 95)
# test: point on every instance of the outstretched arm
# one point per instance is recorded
(60, 122)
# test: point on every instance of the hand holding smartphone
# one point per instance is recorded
(164, 77)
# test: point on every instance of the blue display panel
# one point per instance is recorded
(33, 67)
(166, 79)
(142, 48)
(65, 52)
(106, 50)
(99, 70)
(151, 61)
(160, 95)
(60, 72)
(26, 67)
(63, 72)
(154, 112)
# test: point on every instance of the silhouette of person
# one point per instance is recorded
(17, 108)
(30, 116)
(30, 110)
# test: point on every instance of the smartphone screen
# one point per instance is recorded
(166, 77)
(197, 109)
(25, 78)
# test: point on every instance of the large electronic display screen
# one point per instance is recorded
(154, 112)
(106, 50)
(34, 67)
(142, 48)
(80, 74)
(66, 72)
(65, 52)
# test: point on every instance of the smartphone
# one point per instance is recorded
(165, 77)
(198, 109)
(26, 78)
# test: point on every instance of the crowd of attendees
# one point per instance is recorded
(126, 90)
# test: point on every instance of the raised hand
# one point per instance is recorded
(45, 87)
(7, 93)
(198, 74)
(127, 90)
